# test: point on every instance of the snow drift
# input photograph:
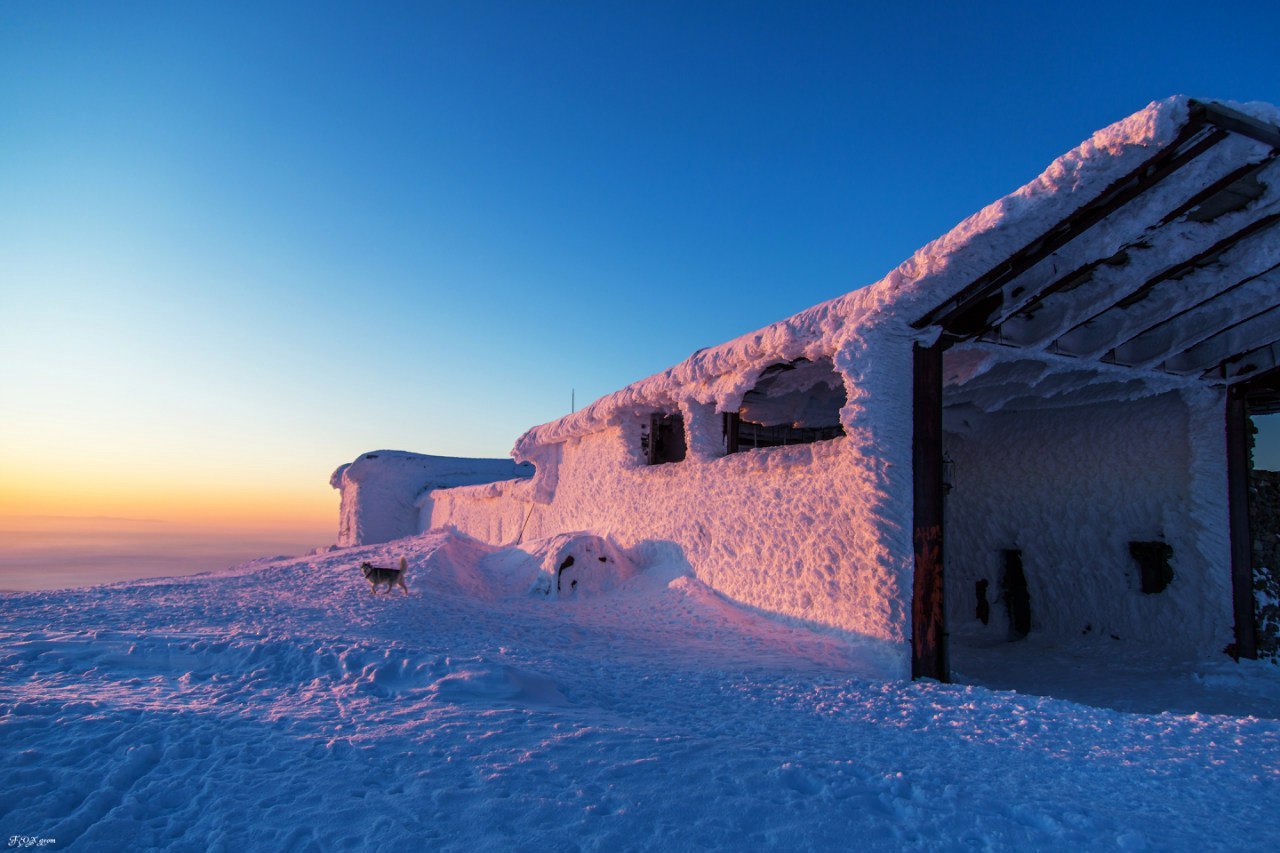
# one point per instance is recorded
(280, 706)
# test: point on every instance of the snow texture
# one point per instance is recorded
(821, 533)
(381, 491)
(756, 525)
(1118, 472)
(280, 706)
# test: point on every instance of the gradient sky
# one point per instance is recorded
(242, 243)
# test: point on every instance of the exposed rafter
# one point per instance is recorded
(1243, 183)
(1090, 335)
(1126, 280)
(1246, 365)
(1180, 330)
(1183, 275)
(969, 313)
(1249, 332)
(1261, 393)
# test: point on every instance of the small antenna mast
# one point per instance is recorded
(573, 400)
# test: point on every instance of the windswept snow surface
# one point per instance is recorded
(280, 706)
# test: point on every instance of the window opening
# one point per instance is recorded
(663, 440)
(795, 402)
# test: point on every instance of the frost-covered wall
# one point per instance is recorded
(1070, 488)
(822, 532)
(816, 532)
(380, 491)
(783, 529)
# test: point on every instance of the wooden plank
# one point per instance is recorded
(731, 423)
(1174, 272)
(929, 653)
(971, 312)
(1188, 329)
(1237, 122)
(1261, 392)
(967, 313)
(1246, 644)
(1244, 173)
(1247, 331)
(1240, 368)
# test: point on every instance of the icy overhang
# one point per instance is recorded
(985, 378)
(1198, 173)
(1173, 270)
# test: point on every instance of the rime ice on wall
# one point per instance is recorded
(1070, 488)
(790, 530)
(816, 532)
(822, 532)
(379, 490)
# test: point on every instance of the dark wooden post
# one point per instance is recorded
(731, 422)
(1246, 645)
(929, 658)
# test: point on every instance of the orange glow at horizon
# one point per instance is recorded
(204, 502)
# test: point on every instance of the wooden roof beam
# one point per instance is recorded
(974, 310)
(1121, 250)
(1095, 331)
(970, 312)
(1197, 322)
(1241, 336)
(1260, 392)
(1239, 367)
(1237, 122)
(1247, 174)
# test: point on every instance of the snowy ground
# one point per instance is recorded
(279, 706)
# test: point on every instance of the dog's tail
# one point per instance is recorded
(404, 564)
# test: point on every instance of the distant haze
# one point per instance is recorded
(55, 552)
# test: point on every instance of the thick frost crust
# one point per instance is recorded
(380, 490)
(821, 532)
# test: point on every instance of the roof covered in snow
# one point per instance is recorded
(1171, 207)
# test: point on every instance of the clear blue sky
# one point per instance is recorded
(253, 240)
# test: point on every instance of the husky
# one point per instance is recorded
(391, 577)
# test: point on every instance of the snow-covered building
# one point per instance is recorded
(1038, 422)
(386, 494)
